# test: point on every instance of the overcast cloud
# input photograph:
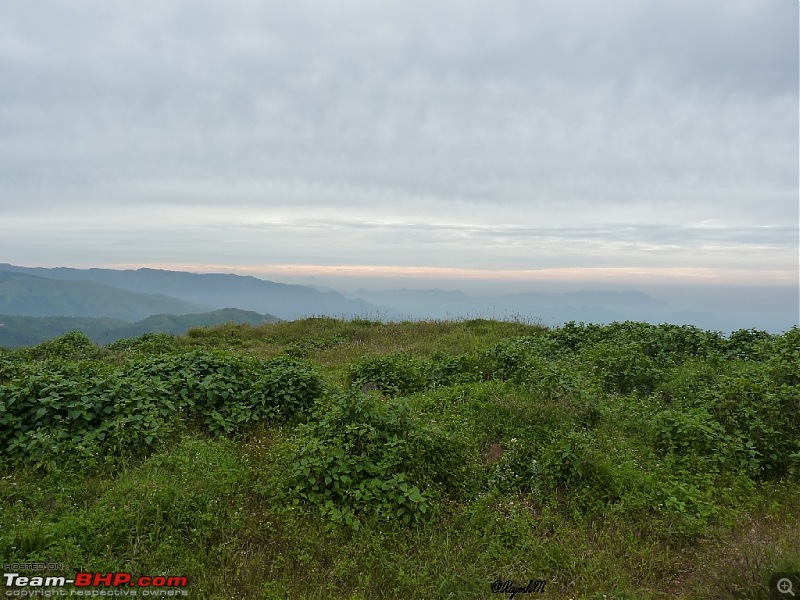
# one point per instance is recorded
(511, 135)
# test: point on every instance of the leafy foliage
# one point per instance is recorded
(488, 446)
(56, 411)
(147, 344)
(361, 455)
(394, 374)
(73, 345)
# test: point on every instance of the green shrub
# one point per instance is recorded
(667, 344)
(73, 345)
(692, 433)
(518, 469)
(363, 456)
(148, 343)
(686, 502)
(505, 360)
(670, 344)
(285, 388)
(624, 367)
(67, 413)
(396, 374)
(784, 361)
(749, 344)
(572, 464)
(209, 388)
(446, 370)
(55, 412)
(224, 392)
(12, 365)
(762, 419)
(571, 336)
(683, 384)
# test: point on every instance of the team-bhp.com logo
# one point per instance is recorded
(93, 584)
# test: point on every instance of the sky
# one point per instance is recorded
(510, 143)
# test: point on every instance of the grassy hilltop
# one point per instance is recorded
(353, 459)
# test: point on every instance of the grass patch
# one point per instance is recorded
(620, 461)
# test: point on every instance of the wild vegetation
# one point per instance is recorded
(353, 459)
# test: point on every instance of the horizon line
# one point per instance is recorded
(698, 275)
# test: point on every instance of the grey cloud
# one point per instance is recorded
(784, 238)
(589, 116)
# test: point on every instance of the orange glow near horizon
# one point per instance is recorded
(568, 274)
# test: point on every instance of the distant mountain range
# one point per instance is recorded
(109, 304)
(36, 296)
(191, 292)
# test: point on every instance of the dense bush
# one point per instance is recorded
(55, 411)
(395, 374)
(76, 412)
(572, 463)
(511, 359)
(211, 389)
(662, 342)
(285, 388)
(748, 344)
(73, 345)
(692, 433)
(147, 344)
(222, 391)
(784, 361)
(361, 456)
(446, 370)
(12, 365)
(624, 367)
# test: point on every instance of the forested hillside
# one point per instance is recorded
(201, 291)
(34, 296)
(18, 330)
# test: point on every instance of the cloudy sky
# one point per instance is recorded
(512, 140)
